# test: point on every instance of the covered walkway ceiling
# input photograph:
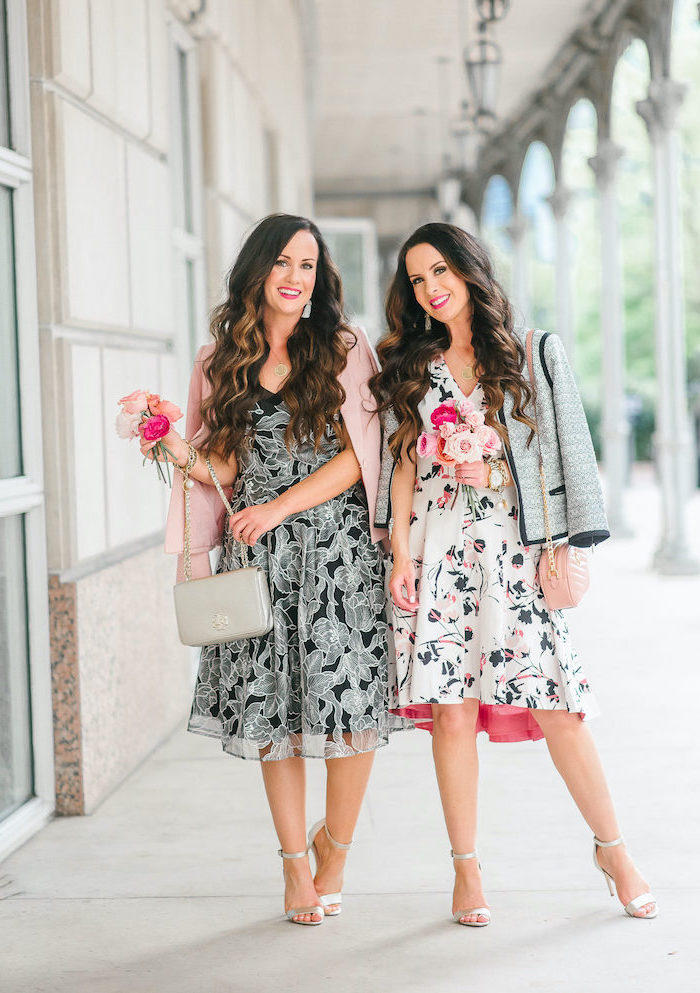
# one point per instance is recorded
(378, 81)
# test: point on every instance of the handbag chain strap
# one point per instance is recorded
(553, 571)
(187, 485)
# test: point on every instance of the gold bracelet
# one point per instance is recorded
(187, 468)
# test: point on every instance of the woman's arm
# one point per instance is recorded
(402, 584)
(329, 481)
(225, 471)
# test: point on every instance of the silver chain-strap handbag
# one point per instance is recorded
(223, 607)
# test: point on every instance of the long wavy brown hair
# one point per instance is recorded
(317, 348)
(407, 349)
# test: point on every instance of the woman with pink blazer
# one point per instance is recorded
(279, 404)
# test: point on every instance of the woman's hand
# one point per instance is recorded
(172, 440)
(249, 524)
(473, 474)
(402, 584)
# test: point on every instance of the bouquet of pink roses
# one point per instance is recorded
(462, 436)
(144, 414)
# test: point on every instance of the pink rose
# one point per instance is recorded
(445, 412)
(426, 445)
(465, 408)
(473, 418)
(442, 455)
(164, 407)
(153, 399)
(447, 428)
(155, 428)
(135, 402)
(463, 447)
(488, 439)
(127, 425)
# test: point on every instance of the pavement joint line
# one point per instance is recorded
(346, 893)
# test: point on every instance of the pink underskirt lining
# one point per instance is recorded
(501, 722)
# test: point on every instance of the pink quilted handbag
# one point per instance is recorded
(562, 571)
(563, 575)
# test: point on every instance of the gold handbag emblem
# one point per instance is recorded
(219, 621)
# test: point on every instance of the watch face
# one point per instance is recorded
(496, 478)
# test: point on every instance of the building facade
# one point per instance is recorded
(139, 140)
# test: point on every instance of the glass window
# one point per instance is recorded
(4, 102)
(16, 778)
(347, 251)
(10, 452)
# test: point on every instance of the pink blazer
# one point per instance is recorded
(207, 509)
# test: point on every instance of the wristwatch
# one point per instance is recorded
(497, 476)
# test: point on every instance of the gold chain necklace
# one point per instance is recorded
(467, 370)
(281, 369)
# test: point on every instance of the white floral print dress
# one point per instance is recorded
(482, 629)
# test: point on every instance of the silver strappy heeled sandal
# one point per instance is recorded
(639, 901)
(327, 899)
(297, 911)
(473, 911)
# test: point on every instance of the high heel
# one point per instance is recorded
(639, 901)
(474, 911)
(297, 911)
(327, 899)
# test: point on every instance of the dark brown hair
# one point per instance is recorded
(317, 348)
(407, 349)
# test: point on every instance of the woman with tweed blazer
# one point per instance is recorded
(476, 646)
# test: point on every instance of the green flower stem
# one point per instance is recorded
(471, 496)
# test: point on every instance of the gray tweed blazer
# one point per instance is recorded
(576, 507)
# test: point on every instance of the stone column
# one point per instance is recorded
(612, 320)
(673, 440)
(559, 201)
(517, 229)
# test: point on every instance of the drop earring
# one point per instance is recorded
(306, 312)
(428, 322)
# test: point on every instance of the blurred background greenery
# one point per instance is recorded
(636, 209)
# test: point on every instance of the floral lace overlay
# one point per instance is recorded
(317, 684)
(483, 629)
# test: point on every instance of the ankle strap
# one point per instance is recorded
(608, 844)
(291, 855)
(337, 844)
(469, 855)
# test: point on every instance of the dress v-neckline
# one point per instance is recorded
(466, 396)
(271, 393)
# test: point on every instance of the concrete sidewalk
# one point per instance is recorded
(174, 884)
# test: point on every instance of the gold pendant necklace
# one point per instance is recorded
(281, 369)
(467, 370)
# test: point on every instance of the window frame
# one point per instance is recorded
(24, 495)
(188, 244)
(370, 319)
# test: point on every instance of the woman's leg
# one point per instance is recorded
(285, 784)
(576, 758)
(346, 782)
(457, 770)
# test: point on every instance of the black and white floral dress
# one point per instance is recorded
(317, 684)
(482, 629)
